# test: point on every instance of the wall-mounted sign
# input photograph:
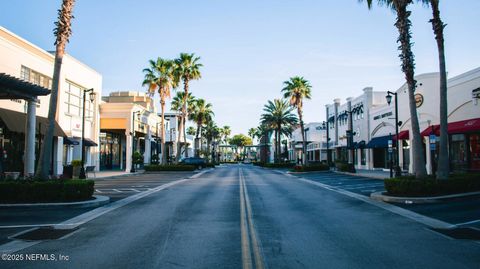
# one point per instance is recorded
(418, 100)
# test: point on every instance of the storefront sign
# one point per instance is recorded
(418, 100)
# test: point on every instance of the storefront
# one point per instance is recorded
(464, 144)
(112, 150)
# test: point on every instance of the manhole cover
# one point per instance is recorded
(46, 233)
(460, 233)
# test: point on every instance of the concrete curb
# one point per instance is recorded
(98, 201)
(381, 196)
(358, 175)
(118, 176)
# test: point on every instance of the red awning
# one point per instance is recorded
(433, 129)
(464, 126)
(403, 135)
(458, 127)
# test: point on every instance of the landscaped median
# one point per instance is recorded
(169, 167)
(46, 191)
(408, 189)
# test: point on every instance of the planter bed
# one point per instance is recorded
(169, 167)
(48, 191)
(410, 187)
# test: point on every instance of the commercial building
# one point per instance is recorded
(25, 61)
(127, 116)
(315, 135)
(372, 122)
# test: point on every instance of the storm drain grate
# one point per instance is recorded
(46, 233)
(460, 233)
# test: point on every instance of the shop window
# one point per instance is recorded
(475, 151)
(363, 157)
(74, 101)
(458, 152)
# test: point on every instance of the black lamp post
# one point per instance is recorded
(132, 170)
(398, 172)
(325, 126)
(92, 98)
(158, 144)
(305, 154)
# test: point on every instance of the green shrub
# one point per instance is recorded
(27, 191)
(429, 186)
(210, 165)
(169, 167)
(342, 167)
(76, 163)
(278, 165)
(137, 158)
(309, 168)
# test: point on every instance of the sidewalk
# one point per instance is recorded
(112, 174)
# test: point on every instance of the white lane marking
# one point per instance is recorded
(27, 226)
(99, 191)
(115, 190)
(17, 245)
(468, 222)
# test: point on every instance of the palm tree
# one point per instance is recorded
(252, 132)
(226, 133)
(62, 31)
(202, 113)
(403, 25)
(296, 89)
(438, 26)
(187, 68)
(278, 115)
(159, 78)
(263, 131)
(191, 131)
(212, 133)
(178, 103)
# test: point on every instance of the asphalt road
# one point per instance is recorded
(463, 212)
(241, 216)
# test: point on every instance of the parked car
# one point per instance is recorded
(198, 162)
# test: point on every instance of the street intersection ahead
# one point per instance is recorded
(240, 216)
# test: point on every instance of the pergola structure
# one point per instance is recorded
(14, 88)
(245, 148)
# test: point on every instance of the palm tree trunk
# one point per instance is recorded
(164, 152)
(180, 132)
(44, 162)
(302, 129)
(62, 33)
(438, 26)
(403, 24)
(185, 136)
(197, 141)
(279, 149)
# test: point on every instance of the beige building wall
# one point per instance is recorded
(16, 52)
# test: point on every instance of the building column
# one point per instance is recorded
(128, 152)
(29, 155)
(428, 157)
(58, 156)
(148, 144)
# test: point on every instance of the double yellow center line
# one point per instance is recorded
(250, 241)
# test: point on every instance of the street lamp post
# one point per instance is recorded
(398, 172)
(325, 126)
(92, 98)
(158, 144)
(132, 170)
(305, 154)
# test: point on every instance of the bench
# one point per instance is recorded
(90, 169)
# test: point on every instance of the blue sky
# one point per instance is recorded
(250, 47)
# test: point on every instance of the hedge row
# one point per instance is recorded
(169, 167)
(27, 191)
(275, 165)
(411, 187)
(311, 167)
